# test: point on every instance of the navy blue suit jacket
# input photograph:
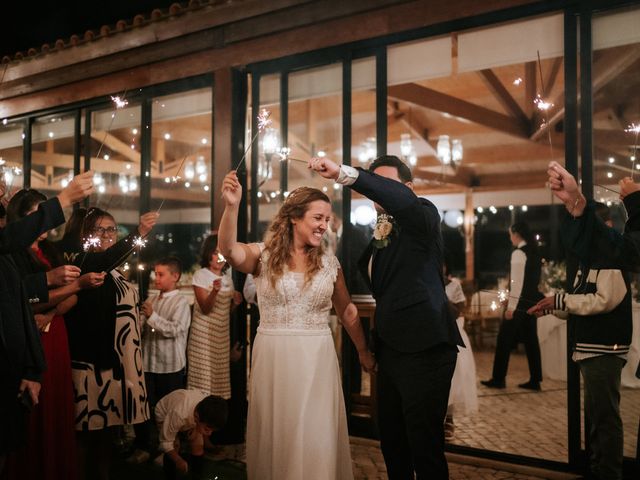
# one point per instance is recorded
(406, 279)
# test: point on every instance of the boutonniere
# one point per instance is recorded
(383, 230)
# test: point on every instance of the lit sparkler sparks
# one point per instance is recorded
(91, 242)
(139, 242)
(285, 155)
(493, 306)
(264, 120)
(119, 102)
(503, 295)
(221, 258)
(542, 104)
(633, 128)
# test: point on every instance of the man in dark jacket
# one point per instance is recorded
(599, 308)
(416, 337)
(21, 356)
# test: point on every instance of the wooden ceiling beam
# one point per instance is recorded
(504, 97)
(115, 144)
(530, 88)
(553, 74)
(431, 99)
(606, 68)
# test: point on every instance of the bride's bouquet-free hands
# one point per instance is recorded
(368, 361)
(231, 189)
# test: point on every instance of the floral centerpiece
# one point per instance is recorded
(553, 277)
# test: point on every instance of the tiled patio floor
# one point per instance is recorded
(528, 423)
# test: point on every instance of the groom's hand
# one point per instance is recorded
(325, 167)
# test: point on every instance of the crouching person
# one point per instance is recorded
(189, 415)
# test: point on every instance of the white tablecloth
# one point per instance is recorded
(629, 378)
(552, 335)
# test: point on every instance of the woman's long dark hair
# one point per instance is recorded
(522, 229)
(91, 220)
(19, 206)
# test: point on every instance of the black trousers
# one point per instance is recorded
(522, 328)
(413, 392)
(158, 385)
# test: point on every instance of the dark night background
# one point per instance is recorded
(27, 24)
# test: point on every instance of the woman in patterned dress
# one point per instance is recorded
(209, 341)
(297, 424)
(104, 341)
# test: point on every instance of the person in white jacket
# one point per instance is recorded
(600, 323)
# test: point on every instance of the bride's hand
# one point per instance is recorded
(231, 189)
(368, 361)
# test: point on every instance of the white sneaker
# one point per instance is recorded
(138, 456)
(159, 460)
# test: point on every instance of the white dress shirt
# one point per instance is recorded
(518, 262)
(175, 414)
(164, 339)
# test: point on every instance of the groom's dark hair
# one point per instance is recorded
(404, 172)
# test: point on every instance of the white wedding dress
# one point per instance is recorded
(297, 425)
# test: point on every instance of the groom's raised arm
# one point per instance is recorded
(393, 196)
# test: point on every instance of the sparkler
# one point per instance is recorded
(264, 121)
(284, 154)
(503, 295)
(544, 107)
(221, 258)
(119, 102)
(606, 188)
(633, 128)
(91, 242)
(138, 242)
(173, 181)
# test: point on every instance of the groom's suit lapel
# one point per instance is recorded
(363, 264)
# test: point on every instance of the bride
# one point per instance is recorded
(296, 427)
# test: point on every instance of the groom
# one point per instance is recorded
(416, 338)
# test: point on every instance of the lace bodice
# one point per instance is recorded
(293, 306)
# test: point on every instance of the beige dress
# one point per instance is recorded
(209, 342)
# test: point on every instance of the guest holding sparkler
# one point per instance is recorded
(21, 356)
(517, 325)
(50, 437)
(296, 405)
(209, 339)
(104, 340)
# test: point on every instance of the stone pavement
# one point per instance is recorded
(368, 464)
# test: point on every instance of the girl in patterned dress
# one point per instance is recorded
(209, 340)
(104, 342)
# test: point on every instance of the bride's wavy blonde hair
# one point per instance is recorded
(278, 240)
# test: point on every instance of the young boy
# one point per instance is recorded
(195, 415)
(167, 317)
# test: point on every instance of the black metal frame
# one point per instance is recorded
(577, 18)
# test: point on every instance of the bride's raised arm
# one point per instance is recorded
(348, 315)
(241, 256)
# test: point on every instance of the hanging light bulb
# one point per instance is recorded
(189, 171)
(97, 178)
(405, 144)
(443, 149)
(123, 182)
(201, 167)
(270, 141)
(456, 151)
